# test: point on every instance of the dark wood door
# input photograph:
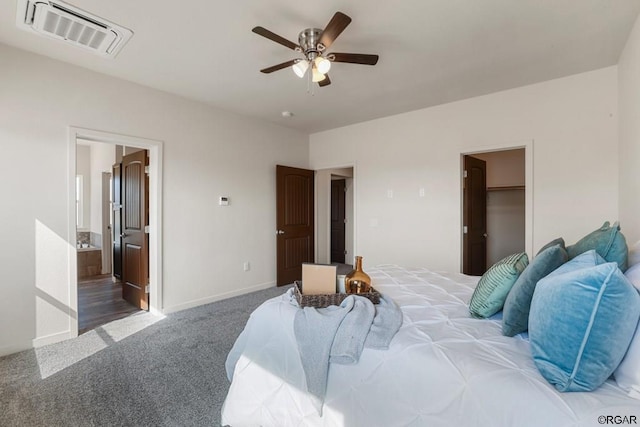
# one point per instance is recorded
(294, 222)
(338, 215)
(117, 223)
(475, 217)
(135, 216)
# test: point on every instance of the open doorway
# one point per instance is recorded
(109, 172)
(494, 207)
(335, 217)
(110, 193)
(338, 219)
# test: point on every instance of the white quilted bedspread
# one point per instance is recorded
(443, 368)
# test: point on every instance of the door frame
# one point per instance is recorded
(327, 212)
(155, 149)
(527, 145)
(107, 242)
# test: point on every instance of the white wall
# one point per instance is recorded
(572, 121)
(103, 156)
(83, 167)
(322, 219)
(349, 208)
(629, 106)
(505, 224)
(207, 153)
(505, 168)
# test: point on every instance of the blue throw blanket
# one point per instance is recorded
(337, 334)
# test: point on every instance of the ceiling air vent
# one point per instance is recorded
(62, 21)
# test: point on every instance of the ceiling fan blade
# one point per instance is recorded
(278, 67)
(274, 37)
(353, 58)
(333, 29)
(325, 82)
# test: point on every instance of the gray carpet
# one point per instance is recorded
(139, 371)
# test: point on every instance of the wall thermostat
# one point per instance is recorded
(224, 201)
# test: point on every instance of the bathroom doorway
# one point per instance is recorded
(102, 294)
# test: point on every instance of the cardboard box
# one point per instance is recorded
(318, 279)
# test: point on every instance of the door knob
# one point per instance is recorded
(279, 232)
(485, 235)
(123, 235)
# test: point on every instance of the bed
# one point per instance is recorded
(442, 368)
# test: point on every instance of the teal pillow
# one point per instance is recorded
(491, 292)
(608, 241)
(581, 324)
(515, 315)
(554, 242)
(587, 259)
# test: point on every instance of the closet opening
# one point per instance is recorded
(494, 208)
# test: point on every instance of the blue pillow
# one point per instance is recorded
(515, 316)
(554, 242)
(491, 292)
(581, 324)
(585, 260)
(608, 241)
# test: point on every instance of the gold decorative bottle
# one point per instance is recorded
(357, 282)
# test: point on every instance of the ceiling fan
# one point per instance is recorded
(312, 43)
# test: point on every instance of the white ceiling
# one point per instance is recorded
(431, 51)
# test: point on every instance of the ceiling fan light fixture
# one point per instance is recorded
(317, 76)
(312, 44)
(300, 68)
(323, 65)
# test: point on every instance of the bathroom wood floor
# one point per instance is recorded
(100, 301)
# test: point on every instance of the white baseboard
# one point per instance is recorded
(52, 339)
(36, 342)
(62, 336)
(214, 298)
(15, 348)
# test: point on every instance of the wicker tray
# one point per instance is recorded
(325, 300)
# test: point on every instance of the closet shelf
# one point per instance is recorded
(506, 188)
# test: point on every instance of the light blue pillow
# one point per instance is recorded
(581, 324)
(491, 292)
(515, 316)
(608, 241)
